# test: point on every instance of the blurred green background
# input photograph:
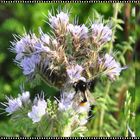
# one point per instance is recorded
(16, 18)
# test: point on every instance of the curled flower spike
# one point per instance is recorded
(78, 31)
(25, 97)
(83, 121)
(28, 64)
(38, 109)
(66, 101)
(40, 47)
(112, 68)
(14, 104)
(75, 73)
(59, 22)
(101, 34)
(45, 38)
(79, 34)
(24, 45)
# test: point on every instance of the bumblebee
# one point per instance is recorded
(83, 95)
(82, 91)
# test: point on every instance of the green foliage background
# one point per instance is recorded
(118, 103)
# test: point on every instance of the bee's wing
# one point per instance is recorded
(90, 97)
(77, 100)
(77, 97)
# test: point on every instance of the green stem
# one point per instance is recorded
(101, 121)
(115, 15)
(103, 111)
(133, 116)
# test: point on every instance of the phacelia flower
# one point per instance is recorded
(75, 73)
(40, 47)
(45, 38)
(38, 110)
(100, 34)
(78, 31)
(112, 67)
(12, 105)
(59, 22)
(28, 64)
(66, 102)
(25, 97)
(24, 45)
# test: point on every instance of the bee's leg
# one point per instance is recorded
(90, 113)
(84, 97)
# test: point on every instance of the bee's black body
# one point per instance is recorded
(83, 87)
(80, 85)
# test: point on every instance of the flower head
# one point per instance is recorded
(13, 105)
(63, 17)
(24, 45)
(44, 42)
(40, 47)
(28, 64)
(66, 102)
(100, 34)
(38, 109)
(59, 22)
(25, 96)
(45, 38)
(78, 31)
(112, 67)
(74, 73)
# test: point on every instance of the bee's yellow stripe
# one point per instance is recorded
(82, 103)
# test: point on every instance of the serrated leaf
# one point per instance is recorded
(119, 27)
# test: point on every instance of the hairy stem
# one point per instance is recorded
(115, 15)
(103, 111)
(101, 121)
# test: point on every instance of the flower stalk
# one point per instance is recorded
(115, 16)
(102, 113)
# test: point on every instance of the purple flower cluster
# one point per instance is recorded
(68, 58)
(71, 53)
(54, 56)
